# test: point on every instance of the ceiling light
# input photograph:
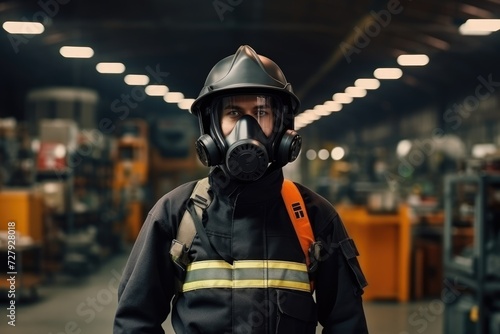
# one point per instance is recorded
(466, 31)
(156, 90)
(333, 106)
(303, 119)
(185, 104)
(173, 97)
(299, 125)
(479, 26)
(338, 153)
(76, 52)
(367, 83)
(308, 116)
(321, 110)
(311, 154)
(25, 28)
(342, 98)
(112, 68)
(413, 60)
(323, 154)
(388, 73)
(311, 115)
(136, 79)
(355, 91)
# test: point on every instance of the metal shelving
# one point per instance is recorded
(472, 251)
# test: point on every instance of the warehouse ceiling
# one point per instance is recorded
(322, 46)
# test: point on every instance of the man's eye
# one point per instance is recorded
(233, 113)
(261, 113)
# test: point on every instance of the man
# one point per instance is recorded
(245, 270)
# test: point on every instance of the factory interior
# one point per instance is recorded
(399, 117)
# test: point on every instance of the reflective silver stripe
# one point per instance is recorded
(247, 274)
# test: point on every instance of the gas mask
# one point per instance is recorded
(248, 134)
(247, 155)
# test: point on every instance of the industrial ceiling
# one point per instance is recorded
(322, 46)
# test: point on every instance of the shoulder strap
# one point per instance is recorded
(201, 200)
(298, 215)
(187, 229)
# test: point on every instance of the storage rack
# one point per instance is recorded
(472, 252)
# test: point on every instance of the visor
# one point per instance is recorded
(264, 108)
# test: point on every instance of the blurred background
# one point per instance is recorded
(400, 119)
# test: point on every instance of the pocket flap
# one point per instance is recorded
(297, 306)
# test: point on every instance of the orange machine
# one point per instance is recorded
(384, 243)
(131, 173)
(25, 208)
(132, 159)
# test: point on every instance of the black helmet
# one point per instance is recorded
(246, 72)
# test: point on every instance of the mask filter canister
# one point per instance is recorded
(247, 158)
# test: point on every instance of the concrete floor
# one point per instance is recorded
(87, 305)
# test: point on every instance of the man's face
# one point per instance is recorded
(259, 107)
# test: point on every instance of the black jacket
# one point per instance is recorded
(245, 224)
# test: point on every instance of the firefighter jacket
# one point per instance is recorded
(251, 277)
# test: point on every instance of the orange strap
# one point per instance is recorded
(298, 215)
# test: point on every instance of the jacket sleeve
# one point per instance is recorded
(147, 283)
(340, 283)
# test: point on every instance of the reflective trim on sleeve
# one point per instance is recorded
(260, 274)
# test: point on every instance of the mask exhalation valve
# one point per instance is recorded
(247, 160)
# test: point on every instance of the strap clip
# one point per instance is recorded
(315, 256)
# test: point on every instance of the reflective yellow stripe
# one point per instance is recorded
(247, 264)
(259, 274)
(206, 284)
(208, 264)
(261, 284)
(273, 264)
(255, 284)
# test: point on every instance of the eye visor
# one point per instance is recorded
(266, 109)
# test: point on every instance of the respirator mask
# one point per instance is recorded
(247, 135)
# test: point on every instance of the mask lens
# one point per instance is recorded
(261, 107)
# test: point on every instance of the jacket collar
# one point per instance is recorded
(264, 189)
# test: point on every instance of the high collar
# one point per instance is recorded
(264, 189)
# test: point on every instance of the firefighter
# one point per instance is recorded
(244, 270)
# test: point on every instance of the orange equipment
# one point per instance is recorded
(131, 174)
(384, 245)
